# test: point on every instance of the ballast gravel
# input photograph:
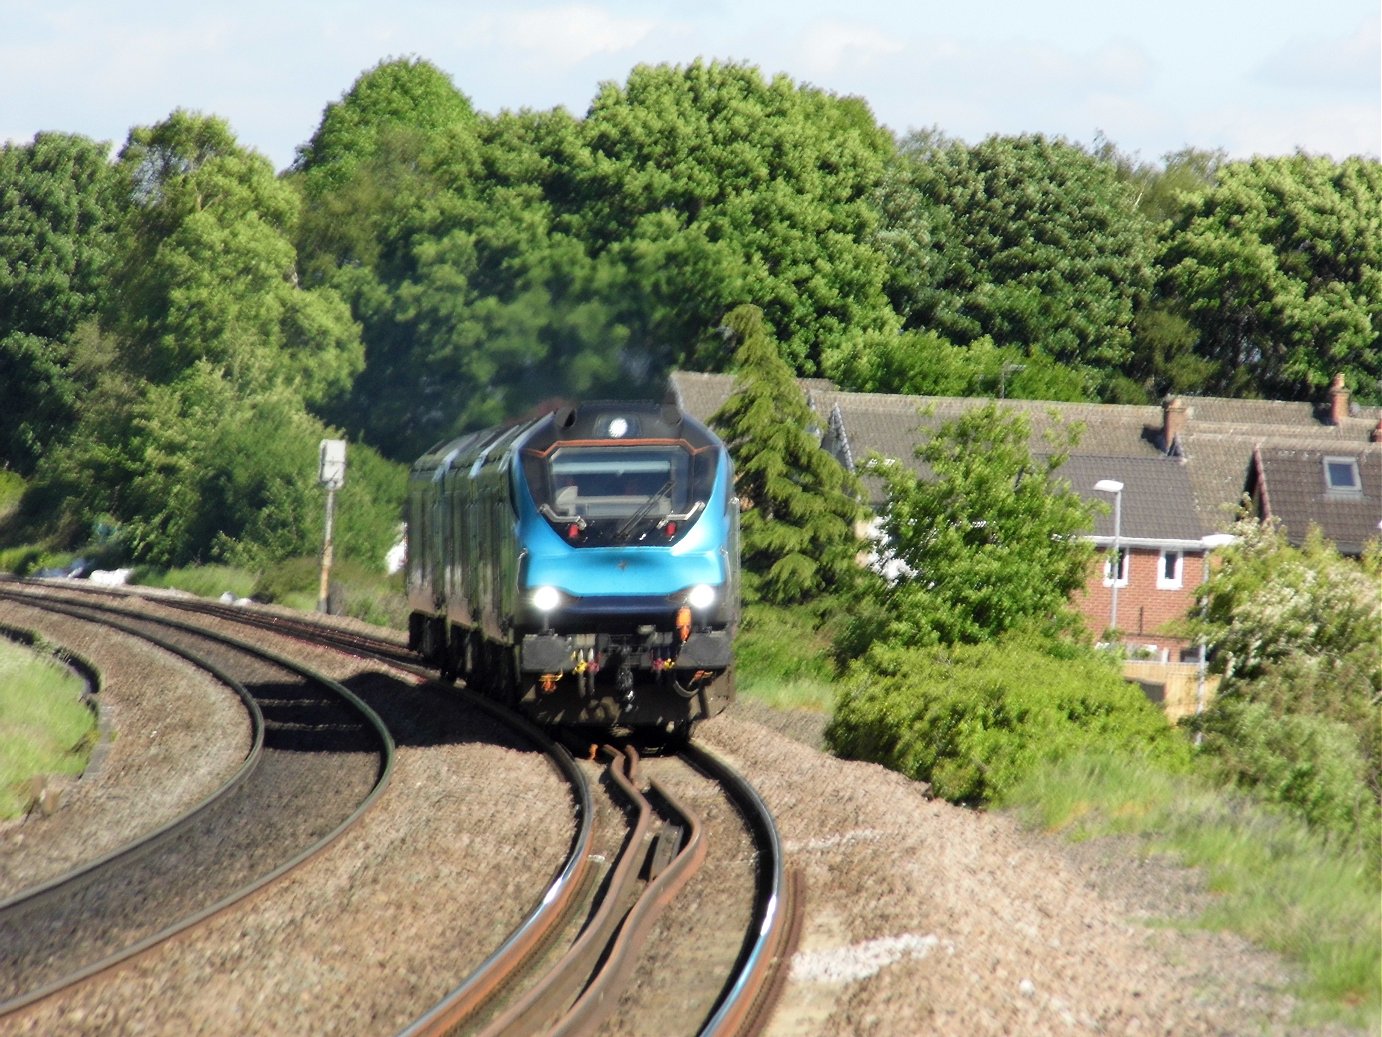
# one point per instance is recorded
(921, 918)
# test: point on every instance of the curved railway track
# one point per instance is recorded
(319, 758)
(669, 828)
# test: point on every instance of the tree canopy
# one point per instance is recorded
(424, 268)
(1034, 243)
(1279, 267)
(60, 208)
(799, 503)
(989, 543)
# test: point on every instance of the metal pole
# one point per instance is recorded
(1117, 556)
(1200, 665)
(323, 595)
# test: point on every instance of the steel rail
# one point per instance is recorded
(261, 882)
(477, 989)
(144, 843)
(549, 1000)
(772, 930)
(598, 1001)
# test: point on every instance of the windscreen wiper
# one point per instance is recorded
(642, 513)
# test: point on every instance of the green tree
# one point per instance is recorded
(798, 527)
(482, 302)
(60, 207)
(987, 543)
(717, 187)
(210, 271)
(921, 363)
(1037, 245)
(1278, 265)
(401, 94)
(194, 437)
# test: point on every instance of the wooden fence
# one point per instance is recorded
(1175, 687)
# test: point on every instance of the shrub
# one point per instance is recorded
(974, 719)
(1310, 764)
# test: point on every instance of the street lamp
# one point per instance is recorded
(1114, 487)
(1209, 543)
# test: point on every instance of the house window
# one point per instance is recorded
(1122, 568)
(1169, 569)
(1341, 476)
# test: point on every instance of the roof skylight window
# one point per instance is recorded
(1341, 475)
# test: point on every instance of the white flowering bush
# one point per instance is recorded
(1297, 635)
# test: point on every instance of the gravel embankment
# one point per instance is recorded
(921, 918)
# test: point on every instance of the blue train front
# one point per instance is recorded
(583, 566)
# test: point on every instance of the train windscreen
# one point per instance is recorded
(612, 493)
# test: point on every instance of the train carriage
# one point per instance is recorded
(583, 565)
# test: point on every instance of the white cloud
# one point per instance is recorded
(829, 46)
(1335, 130)
(571, 34)
(1347, 62)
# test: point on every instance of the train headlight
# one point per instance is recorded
(545, 599)
(701, 596)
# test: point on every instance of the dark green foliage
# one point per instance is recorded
(396, 95)
(721, 188)
(194, 438)
(1306, 762)
(1278, 265)
(1035, 244)
(799, 503)
(990, 538)
(973, 720)
(209, 270)
(60, 208)
(921, 363)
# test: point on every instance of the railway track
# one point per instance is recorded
(594, 950)
(319, 758)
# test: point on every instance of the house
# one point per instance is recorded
(1185, 468)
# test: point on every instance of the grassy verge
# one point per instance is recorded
(44, 726)
(1272, 879)
(780, 659)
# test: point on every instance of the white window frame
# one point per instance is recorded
(1353, 488)
(1124, 562)
(1176, 581)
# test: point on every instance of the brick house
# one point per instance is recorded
(1186, 466)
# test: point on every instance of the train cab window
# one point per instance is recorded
(618, 492)
(605, 483)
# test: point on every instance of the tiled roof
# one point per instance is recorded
(1290, 485)
(1203, 480)
(1157, 501)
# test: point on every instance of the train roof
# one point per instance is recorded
(591, 420)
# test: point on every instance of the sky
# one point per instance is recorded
(1248, 77)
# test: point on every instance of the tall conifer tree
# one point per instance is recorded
(798, 534)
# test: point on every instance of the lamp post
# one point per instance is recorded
(1114, 487)
(1209, 543)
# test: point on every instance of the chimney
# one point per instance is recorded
(1338, 401)
(1377, 432)
(1174, 417)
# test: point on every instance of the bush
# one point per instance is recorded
(975, 719)
(357, 590)
(1310, 764)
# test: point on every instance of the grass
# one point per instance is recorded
(780, 659)
(205, 581)
(45, 728)
(1272, 879)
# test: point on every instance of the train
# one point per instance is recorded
(582, 566)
